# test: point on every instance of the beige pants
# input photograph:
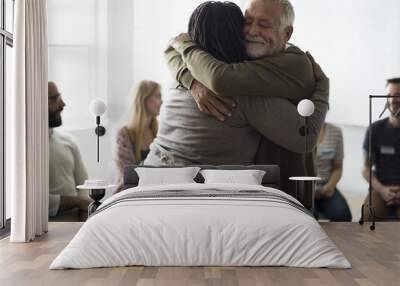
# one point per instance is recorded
(381, 209)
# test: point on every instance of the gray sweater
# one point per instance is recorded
(188, 136)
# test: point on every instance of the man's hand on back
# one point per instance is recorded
(211, 104)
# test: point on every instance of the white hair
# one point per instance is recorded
(288, 16)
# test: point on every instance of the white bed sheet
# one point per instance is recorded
(200, 232)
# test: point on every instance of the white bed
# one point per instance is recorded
(224, 225)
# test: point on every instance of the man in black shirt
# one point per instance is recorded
(385, 158)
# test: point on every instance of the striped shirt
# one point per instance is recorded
(329, 150)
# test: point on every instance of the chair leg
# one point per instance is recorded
(361, 221)
(372, 215)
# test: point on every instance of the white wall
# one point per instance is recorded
(78, 64)
(107, 49)
(77, 56)
(357, 44)
(120, 58)
(344, 36)
(155, 23)
(118, 82)
(353, 40)
(352, 181)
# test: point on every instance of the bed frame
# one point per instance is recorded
(270, 179)
(131, 178)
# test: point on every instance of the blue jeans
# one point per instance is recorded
(334, 208)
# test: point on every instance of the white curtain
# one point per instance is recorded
(28, 121)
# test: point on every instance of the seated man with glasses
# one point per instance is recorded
(66, 168)
(385, 159)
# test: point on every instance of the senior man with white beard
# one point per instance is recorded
(261, 88)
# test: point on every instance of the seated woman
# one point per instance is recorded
(134, 138)
(328, 200)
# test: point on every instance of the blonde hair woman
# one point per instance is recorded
(134, 138)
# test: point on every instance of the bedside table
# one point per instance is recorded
(97, 190)
(305, 190)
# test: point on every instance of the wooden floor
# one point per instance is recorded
(374, 255)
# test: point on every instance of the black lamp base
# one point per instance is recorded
(100, 130)
(96, 195)
(305, 191)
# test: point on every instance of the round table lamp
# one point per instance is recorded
(305, 108)
(97, 108)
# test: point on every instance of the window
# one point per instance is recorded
(78, 57)
(6, 43)
(9, 17)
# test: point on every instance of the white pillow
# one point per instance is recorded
(166, 176)
(248, 177)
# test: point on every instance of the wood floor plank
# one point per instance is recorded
(374, 255)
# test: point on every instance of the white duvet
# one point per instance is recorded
(201, 231)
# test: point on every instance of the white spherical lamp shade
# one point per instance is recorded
(305, 107)
(97, 107)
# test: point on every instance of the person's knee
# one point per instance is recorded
(335, 208)
(343, 214)
(379, 208)
(340, 213)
